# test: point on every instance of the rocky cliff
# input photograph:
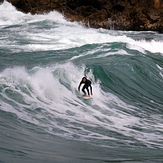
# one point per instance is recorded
(109, 14)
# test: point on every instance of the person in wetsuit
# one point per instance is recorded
(87, 84)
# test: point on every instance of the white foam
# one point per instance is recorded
(141, 46)
(54, 90)
(64, 34)
(9, 15)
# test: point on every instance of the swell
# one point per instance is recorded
(136, 79)
(120, 108)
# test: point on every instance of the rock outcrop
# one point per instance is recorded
(109, 14)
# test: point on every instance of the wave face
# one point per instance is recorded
(44, 119)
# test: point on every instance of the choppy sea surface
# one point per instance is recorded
(42, 116)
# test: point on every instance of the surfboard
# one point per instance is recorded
(87, 97)
(81, 95)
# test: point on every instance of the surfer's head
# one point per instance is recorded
(84, 79)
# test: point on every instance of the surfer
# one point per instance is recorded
(87, 84)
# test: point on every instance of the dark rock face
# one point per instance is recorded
(109, 14)
(1, 1)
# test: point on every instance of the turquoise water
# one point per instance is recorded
(42, 116)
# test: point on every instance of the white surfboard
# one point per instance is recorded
(87, 97)
(80, 94)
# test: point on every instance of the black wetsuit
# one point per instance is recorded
(87, 84)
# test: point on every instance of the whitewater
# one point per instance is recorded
(43, 118)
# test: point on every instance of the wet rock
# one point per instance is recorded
(109, 14)
(1, 1)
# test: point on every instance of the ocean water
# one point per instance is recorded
(42, 116)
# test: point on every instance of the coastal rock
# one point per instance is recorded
(109, 14)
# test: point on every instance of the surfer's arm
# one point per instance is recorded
(79, 86)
